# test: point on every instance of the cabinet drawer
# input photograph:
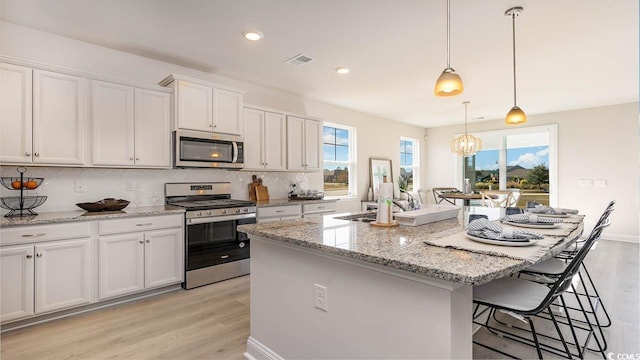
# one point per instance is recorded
(279, 211)
(317, 208)
(119, 226)
(39, 233)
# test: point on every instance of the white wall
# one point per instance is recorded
(595, 143)
(376, 137)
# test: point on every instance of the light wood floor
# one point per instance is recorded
(212, 322)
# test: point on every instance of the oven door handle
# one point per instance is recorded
(219, 218)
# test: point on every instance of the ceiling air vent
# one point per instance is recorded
(299, 59)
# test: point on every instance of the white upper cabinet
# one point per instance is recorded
(42, 117)
(15, 113)
(265, 140)
(152, 128)
(204, 106)
(303, 144)
(130, 126)
(58, 118)
(112, 124)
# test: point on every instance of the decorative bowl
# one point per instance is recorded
(108, 204)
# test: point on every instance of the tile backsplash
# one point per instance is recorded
(143, 187)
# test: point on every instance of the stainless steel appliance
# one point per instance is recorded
(211, 150)
(214, 249)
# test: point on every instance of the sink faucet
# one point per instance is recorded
(411, 203)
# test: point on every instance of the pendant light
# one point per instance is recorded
(449, 83)
(466, 144)
(515, 115)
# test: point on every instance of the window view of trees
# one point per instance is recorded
(408, 160)
(337, 160)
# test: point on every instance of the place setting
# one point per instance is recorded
(491, 232)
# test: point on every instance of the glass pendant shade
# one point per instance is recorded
(466, 145)
(515, 116)
(449, 83)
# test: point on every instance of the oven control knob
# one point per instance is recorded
(209, 213)
(241, 244)
(199, 214)
(237, 211)
(245, 210)
(224, 211)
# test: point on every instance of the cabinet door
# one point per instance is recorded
(195, 106)
(112, 119)
(15, 114)
(163, 257)
(295, 143)
(275, 130)
(63, 274)
(58, 118)
(312, 141)
(152, 128)
(253, 148)
(16, 288)
(227, 112)
(120, 265)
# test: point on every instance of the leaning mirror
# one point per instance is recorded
(379, 172)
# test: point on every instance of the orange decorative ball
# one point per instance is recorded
(17, 184)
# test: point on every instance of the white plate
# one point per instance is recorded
(501, 242)
(533, 225)
(551, 215)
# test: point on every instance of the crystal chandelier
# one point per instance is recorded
(466, 144)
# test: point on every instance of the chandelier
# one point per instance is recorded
(449, 83)
(466, 144)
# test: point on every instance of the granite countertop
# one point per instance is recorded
(282, 202)
(400, 247)
(81, 215)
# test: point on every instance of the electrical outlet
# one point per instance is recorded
(320, 297)
(131, 186)
(80, 187)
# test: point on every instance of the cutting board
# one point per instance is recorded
(252, 188)
(262, 193)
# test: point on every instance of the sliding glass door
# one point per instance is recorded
(522, 160)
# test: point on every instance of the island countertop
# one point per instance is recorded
(401, 248)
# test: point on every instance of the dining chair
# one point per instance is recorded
(524, 300)
(497, 198)
(439, 190)
(555, 266)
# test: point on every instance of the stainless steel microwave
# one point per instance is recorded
(210, 150)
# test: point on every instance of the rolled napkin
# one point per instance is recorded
(493, 230)
(543, 209)
(531, 219)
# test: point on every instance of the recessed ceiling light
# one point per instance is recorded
(252, 35)
(343, 70)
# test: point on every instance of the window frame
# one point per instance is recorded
(551, 129)
(352, 191)
(415, 163)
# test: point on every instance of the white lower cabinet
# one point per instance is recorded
(278, 213)
(45, 277)
(140, 253)
(318, 209)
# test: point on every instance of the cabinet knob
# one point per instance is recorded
(148, 241)
(137, 157)
(27, 154)
(38, 254)
(36, 154)
(131, 158)
(210, 125)
(141, 241)
(29, 256)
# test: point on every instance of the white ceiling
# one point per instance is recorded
(570, 53)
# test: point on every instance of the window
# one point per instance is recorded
(338, 149)
(409, 168)
(522, 160)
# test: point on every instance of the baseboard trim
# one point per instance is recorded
(257, 350)
(621, 237)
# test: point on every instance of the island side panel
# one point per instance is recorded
(371, 313)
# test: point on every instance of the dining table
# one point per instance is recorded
(466, 198)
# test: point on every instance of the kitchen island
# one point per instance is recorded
(384, 291)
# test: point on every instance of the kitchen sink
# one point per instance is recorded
(366, 217)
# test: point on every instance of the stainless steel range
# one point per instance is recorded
(215, 250)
